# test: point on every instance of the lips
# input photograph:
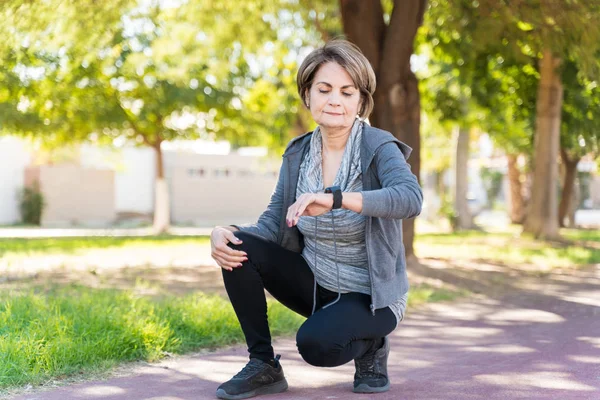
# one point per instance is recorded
(330, 113)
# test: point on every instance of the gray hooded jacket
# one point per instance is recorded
(390, 193)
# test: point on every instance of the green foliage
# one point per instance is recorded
(485, 54)
(448, 211)
(580, 115)
(449, 78)
(158, 71)
(492, 182)
(31, 204)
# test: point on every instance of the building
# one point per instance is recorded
(102, 187)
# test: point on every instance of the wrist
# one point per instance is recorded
(328, 200)
(230, 228)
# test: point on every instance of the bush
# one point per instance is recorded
(492, 182)
(447, 210)
(31, 204)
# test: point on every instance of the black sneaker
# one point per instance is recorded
(371, 370)
(257, 377)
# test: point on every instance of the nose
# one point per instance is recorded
(334, 98)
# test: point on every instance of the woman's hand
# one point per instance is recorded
(309, 204)
(226, 257)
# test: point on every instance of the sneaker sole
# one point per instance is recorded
(363, 388)
(273, 388)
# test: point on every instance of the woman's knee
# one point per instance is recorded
(315, 349)
(246, 238)
(252, 244)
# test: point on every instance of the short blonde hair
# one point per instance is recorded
(348, 56)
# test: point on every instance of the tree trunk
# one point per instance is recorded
(162, 218)
(567, 188)
(461, 188)
(574, 204)
(542, 216)
(517, 202)
(389, 48)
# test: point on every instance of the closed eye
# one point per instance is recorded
(343, 93)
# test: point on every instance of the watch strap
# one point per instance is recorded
(337, 196)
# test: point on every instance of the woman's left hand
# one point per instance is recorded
(309, 204)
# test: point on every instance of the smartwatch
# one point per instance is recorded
(337, 196)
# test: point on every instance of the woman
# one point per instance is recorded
(329, 245)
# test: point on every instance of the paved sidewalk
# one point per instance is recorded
(542, 342)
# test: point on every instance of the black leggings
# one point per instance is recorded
(330, 337)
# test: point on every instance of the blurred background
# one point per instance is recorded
(129, 128)
(175, 113)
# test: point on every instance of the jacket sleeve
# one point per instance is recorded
(400, 196)
(267, 225)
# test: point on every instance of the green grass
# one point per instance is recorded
(588, 235)
(509, 249)
(72, 330)
(70, 245)
(429, 294)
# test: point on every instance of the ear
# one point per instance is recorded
(307, 98)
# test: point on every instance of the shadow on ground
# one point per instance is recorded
(522, 335)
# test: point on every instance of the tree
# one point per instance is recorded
(552, 31)
(543, 34)
(507, 92)
(389, 46)
(580, 135)
(30, 41)
(449, 83)
(156, 73)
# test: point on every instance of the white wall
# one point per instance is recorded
(77, 196)
(14, 156)
(135, 181)
(208, 190)
(134, 178)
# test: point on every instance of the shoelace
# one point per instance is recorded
(250, 369)
(254, 366)
(366, 365)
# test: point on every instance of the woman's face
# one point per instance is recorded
(333, 99)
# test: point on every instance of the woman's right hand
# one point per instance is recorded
(226, 257)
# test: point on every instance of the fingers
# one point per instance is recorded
(231, 237)
(297, 209)
(300, 211)
(228, 263)
(226, 257)
(229, 256)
